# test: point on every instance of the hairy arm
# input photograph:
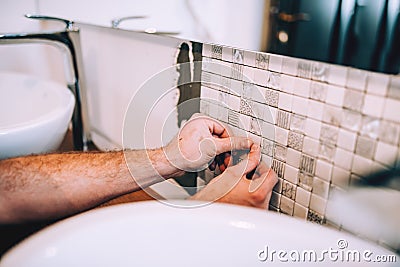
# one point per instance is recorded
(58, 185)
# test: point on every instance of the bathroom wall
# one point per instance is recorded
(321, 127)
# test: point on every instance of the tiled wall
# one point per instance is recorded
(320, 126)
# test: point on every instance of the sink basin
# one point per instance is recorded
(154, 234)
(34, 114)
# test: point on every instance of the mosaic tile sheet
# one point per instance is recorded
(320, 126)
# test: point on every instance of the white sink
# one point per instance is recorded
(34, 114)
(154, 234)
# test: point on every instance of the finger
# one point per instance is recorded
(233, 143)
(265, 183)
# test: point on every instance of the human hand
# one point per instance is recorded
(199, 141)
(234, 187)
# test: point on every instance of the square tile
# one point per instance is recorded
(377, 83)
(317, 203)
(245, 107)
(346, 139)
(365, 147)
(361, 166)
(385, 153)
(307, 164)
(303, 196)
(275, 199)
(320, 71)
(283, 119)
(236, 71)
(394, 88)
(291, 174)
(255, 127)
(327, 152)
(285, 101)
(302, 87)
(332, 115)
(267, 147)
(351, 120)
(244, 122)
(275, 63)
(261, 61)
(234, 103)
(258, 109)
(287, 83)
(314, 109)
(278, 167)
(353, 100)
(337, 75)
(324, 170)
(298, 123)
(289, 65)
(318, 91)
(341, 177)
(306, 180)
(370, 127)
(227, 53)
(315, 217)
(289, 190)
(236, 88)
(271, 98)
(216, 51)
(237, 56)
(280, 152)
(260, 77)
(329, 134)
(310, 146)
(304, 69)
(281, 136)
(313, 128)
(250, 58)
(391, 110)
(373, 105)
(299, 105)
(278, 186)
(300, 211)
(274, 80)
(357, 79)
(223, 114)
(233, 118)
(293, 157)
(268, 130)
(258, 94)
(389, 132)
(295, 140)
(286, 205)
(320, 188)
(335, 95)
(343, 158)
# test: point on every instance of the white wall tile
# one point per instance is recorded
(288, 83)
(287, 205)
(281, 136)
(317, 203)
(361, 166)
(260, 77)
(293, 157)
(392, 110)
(249, 58)
(289, 65)
(340, 177)
(337, 75)
(335, 95)
(285, 101)
(323, 170)
(303, 196)
(385, 153)
(311, 146)
(332, 115)
(343, 158)
(275, 63)
(320, 187)
(314, 109)
(300, 211)
(302, 87)
(373, 105)
(313, 128)
(356, 79)
(346, 139)
(377, 83)
(291, 174)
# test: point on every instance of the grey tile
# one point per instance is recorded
(329, 134)
(216, 51)
(389, 132)
(351, 120)
(306, 180)
(307, 164)
(297, 123)
(332, 115)
(318, 91)
(262, 61)
(278, 167)
(286, 205)
(275, 199)
(237, 56)
(365, 147)
(283, 119)
(267, 147)
(295, 140)
(289, 190)
(327, 152)
(278, 186)
(320, 71)
(304, 69)
(353, 100)
(247, 91)
(280, 152)
(233, 118)
(237, 71)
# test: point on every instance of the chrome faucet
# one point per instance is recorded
(69, 42)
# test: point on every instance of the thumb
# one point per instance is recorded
(232, 143)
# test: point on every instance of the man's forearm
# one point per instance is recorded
(52, 186)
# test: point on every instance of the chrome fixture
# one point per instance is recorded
(69, 42)
(115, 24)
